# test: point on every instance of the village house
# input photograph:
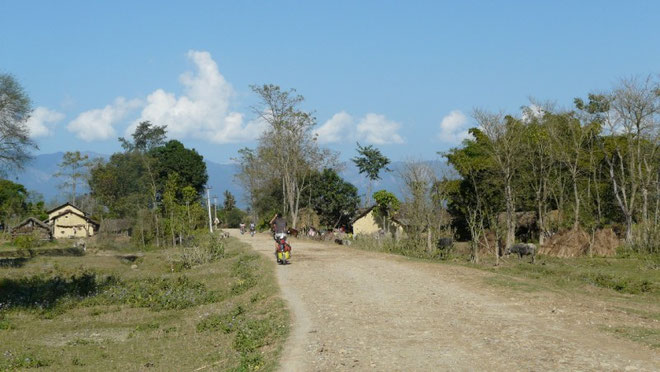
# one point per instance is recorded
(366, 223)
(32, 227)
(69, 221)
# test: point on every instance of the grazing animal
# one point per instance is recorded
(292, 232)
(445, 243)
(523, 249)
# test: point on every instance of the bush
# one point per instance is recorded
(43, 292)
(227, 323)
(197, 255)
(160, 294)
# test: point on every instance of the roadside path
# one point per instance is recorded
(357, 310)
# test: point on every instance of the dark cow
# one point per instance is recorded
(445, 243)
(523, 249)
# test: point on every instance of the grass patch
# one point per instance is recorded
(114, 316)
(10, 362)
(648, 336)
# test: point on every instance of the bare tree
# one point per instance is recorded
(419, 180)
(74, 169)
(15, 109)
(633, 123)
(288, 144)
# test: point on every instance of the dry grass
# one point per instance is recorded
(119, 317)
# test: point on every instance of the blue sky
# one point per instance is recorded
(403, 76)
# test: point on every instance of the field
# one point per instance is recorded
(213, 307)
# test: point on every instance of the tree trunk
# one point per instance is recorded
(576, 195)
(510, 216)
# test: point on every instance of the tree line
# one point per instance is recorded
(593, 166)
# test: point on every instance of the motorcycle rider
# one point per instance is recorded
(242, 226)
(278, 225)
(253, 228)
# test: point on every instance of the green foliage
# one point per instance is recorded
(146, 137)
(332, 198)
(11, 362)
(46, 292)
(173, 157)
(243, 272)
(159, 293)
(209, 251)
(26, 241)
(13, 201)
(387, 203)
(226, 323)
(230, 201)
(370, 162)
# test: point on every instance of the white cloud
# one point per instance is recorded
(42, 120)
(202, 112)
(97, 124)
(372, 128)
(454, 128)
(377, 129)
(338, 128)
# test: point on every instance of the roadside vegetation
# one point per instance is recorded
(210, 306)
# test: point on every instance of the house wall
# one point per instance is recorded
(72, 226)
(56, 212)
(368, 225)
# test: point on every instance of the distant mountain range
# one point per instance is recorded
(39, 176)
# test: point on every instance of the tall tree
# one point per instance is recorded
(15, 109)
(635, 106)
(288, 145)
(74, 170)
(146, 137)
(173, 157)
(333, 199)
(504, 134)
(230, 201)
(370, 161)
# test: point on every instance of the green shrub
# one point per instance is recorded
(160, 293)
(10, 362)
(227, 323)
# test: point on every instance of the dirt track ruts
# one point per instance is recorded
(357, 310)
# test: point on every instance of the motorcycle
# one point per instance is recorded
(282, 249)
(252, 231)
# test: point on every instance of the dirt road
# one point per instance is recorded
(357, 310)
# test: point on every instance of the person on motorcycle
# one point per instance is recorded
(278, 225)
(253, 228)
(242, 226)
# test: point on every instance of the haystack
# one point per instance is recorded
(576, 242)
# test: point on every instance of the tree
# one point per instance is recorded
(332, 198)
(287, 146)
(74, 169)
(15, 109)
(173, 157)
(419, 181)
(13, 198)
(146, 137)
(635, 106)
(370, 162)
(387, 205)
(504, 138)
(230, 201)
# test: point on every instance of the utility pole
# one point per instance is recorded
(208, 203)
